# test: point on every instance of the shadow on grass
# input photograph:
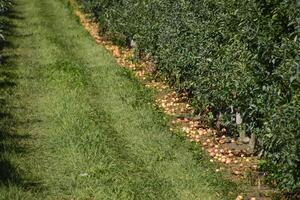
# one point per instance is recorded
(8, 173)
(9, 147)
(12, 143)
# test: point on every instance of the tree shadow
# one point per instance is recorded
(9, 147)
(9, 141)
(8, 173)
(12, 142)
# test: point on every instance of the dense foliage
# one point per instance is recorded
(231, 56)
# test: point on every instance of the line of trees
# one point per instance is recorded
(233, 57)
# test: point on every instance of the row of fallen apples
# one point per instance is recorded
(170, 104)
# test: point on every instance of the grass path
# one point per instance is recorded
(74, 125)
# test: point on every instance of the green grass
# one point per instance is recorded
(75, 125)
